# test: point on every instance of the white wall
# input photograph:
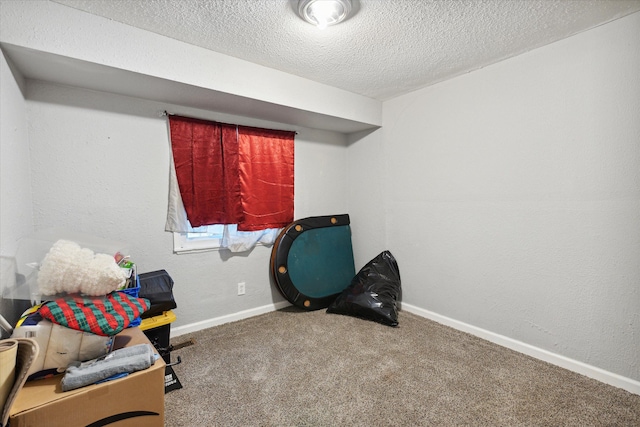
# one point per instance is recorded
(16, 210)
(100, 165)
(367, 195)
(15, 183)
(513, 197)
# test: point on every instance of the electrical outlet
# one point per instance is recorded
(241, 288)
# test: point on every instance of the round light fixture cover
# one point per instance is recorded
(323, 13)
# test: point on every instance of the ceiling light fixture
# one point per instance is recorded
(323, 13)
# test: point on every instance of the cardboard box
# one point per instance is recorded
(136, 400)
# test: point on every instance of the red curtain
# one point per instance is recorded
(266, 177)
(230, 174)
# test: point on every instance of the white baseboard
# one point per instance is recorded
(610, 378)
(204, 324)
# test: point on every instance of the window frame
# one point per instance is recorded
(210, 241)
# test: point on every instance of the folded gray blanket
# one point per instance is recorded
(124, 360)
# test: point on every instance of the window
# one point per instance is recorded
(204, 238)
(227, 174)
(219, 236)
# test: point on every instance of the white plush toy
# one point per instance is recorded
(69, 268)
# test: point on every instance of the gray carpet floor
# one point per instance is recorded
(298, 368)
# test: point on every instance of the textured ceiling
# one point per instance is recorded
(388, 48)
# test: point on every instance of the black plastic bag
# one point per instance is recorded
(157, 287)
(373, 292)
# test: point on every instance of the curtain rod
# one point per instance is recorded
(166, 113)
